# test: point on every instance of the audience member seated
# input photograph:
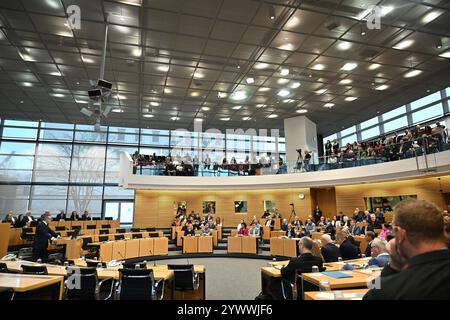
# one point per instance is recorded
(370, 235)
(266, 214)
(61, 216)
(348, 250)
(189, 230)
(354, 229)
(270, 222)
(421, 266)
(310, 226)
(374, 222)
(290, 231)
(86, 216)
(330, 251)
(380, 256)
(366, 227)
(297, 222)
(74, 216)
(284, 225)
(205, 231)
(254, 230)
(386, 230)
(9, 218)
(243, 230)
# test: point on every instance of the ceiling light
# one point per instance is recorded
(295, 85)
(137, 52)
(350, 98)
(386, 10)
(148, 115)
(329, 105)
(246, 118)
(344, 45)
(55, 73)
(445, 54)
(87, 60)
(439, 44)
(236, 107)
(250, 80)
(120, 97)
(288, 100)
(318, 66)
(382, 87)
(81, 101)
(221, 95)
(260, 105)
(225, 119)
(162, 68)
(154, 104)
(263, 89)
(412, 73)
(345, 81)
(195, 94)
(430, 16)
(198, 75)
(272, 15)
(321, 91)
(21, 101)
(174, 118)
(206, 108)
(122, 29)
(238, 95)
(349, 66)
(301, 111)
(283, 81)
(117, 110)
(271, 116)
(363, 33)
(374, 66)
(261, 65)
(198, 119)
(403, 44)
(283, 93)
(58, 95)
(167, 90)
(284, 71)
(27, 84)
(287, 46)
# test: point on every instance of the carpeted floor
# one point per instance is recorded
(229, 278)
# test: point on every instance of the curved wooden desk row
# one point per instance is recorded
(56, 274)
(83, 224)
(218, 236)
(95, 233)
(198, 244)
(243, 244)
(267, 233)
(180, 235)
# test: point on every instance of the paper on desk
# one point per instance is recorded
(317, 274)
(325, 296)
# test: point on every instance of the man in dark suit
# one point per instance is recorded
(189, 230)
(366, 227)
(317, 213)
(28, 218)
(86, 216)
(369, 236)
(329, 250)
(61, 215)
(374, 222)
(354, 229)
(284, 225)
(347, 249)
(422, 260)
(42, 236)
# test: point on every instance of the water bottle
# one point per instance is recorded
(39, 260)
(340, 259)
(324, 285)
(315, 269)
(99, 265)
(137, 266)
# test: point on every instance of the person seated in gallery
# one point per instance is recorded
(330, 252)
(284, 225)
(265, 214)
(322, 222)
(270, 222)
(277, 214)
(354, 229)
(297, 222)
(9, 218)
(369, 236)
(205, 230)
(310, 226)
(243, 230)
(366, 227)
(189, 230)
(374, 222)
(254, 230)
(386, 229)
(347, 249)
(300, 232)
(61, 216)
(290, 231)
(86, 216)
(74, 216)
(380, 256)
(196, 225)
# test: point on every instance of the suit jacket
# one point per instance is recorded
(42, 236)
(426, 277)
(348, 250)
(189, 232)
(302, 263)
(364, 229)
(284, 226)
(60, 217)
(330, 253)
(368, 251)
(355, 231)
(379, 261)
(85, 218)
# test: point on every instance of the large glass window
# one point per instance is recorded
(394, 113)
(427, 113)
(349, 139)
(369, 123)
(348, 131)
(425, 100)
(370, 133)
(395, 124)
(19, 133)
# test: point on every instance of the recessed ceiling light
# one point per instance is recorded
(286, 46)
(162, 68)
(445, 54)
(174, 118)
(260, 105)
(120, 97)
(374, 66)
(345, 81)
(87, 60)
(122, 29)
(283, 81)
(195, 94)
(430, 16)
(198, 75)
(167, 90)
(27, 84)
(238, 95)
(261, 65)
(382, 87)
(350, 98)
(21, 101)
(148, 115)
(221, 95)
(198, 119)
(363, 33)
(271, 116)
(250, 80)
(225, 119)
(321, 91)
(246, 118)
(55, 73)
(344, 45)
(318, 66)
(154, 104)
(288, 101)
(206, 108)
(283, 93)
(263, 89)
(403, 44)
(301, 111)
(295, 85)
(349, 66)
(236, 107)
(284, 71)
(329, 105)
(81, 101)
(117, 110)
(272, 15)
(386, 10)
(412, 73)
(137, 52)
(58, 95)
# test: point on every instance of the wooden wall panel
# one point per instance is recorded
(325, 198)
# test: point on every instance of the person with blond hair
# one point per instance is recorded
(379, 254)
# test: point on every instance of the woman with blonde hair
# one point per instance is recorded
(316, 250)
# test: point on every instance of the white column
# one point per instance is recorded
(300, 133)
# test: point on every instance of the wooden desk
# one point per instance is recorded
(161, 246)
(362, 242)
(205, 244)
(358, 280)
(266, 233)
(234, 244)
(234, 233)
(132, 248)
(352, 294)
(190, 244)
(277, 223)
(146, 247)
(276, 246)
(279, 233)
(286, 247)
(26, 283)
(4, 238)
(249, 244)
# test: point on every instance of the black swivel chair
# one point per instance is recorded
(76, 228)
(103, 238)
(92, 251)
(185, 279)
(119, 237)
(95, 264)
(108, 218)
(140, 265)
(294, 290)
(60, 228)
(121, 230)
(96, 219)
(36, 270)
(135, 230)
(106, 226)
(139, 284)
(137, 236)
(83, 284)
(150, 229)
(105, 231)
(154, 235)
(27, 234)
(3, 268)
(91, 226)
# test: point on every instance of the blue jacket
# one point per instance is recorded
(379, 261)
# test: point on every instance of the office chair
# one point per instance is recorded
(150, 229)
(108, 218)
(106, 226)
(76, 228)
(104, 231)
(89, 251)
(294, 290)
(135, 230)
(60, 228)
(139, 284)
(96, 219)
(119, 237)
(70, 233)
(154, 235)
(95, 264)
(82, 284)
(185, 279)
(141, 265)
(36, 270)
(121, 230)
(103, 238)
(26, 234)
(85, 243)
(3, 268)
(6, 294)
(91, 226)
(136, 235)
